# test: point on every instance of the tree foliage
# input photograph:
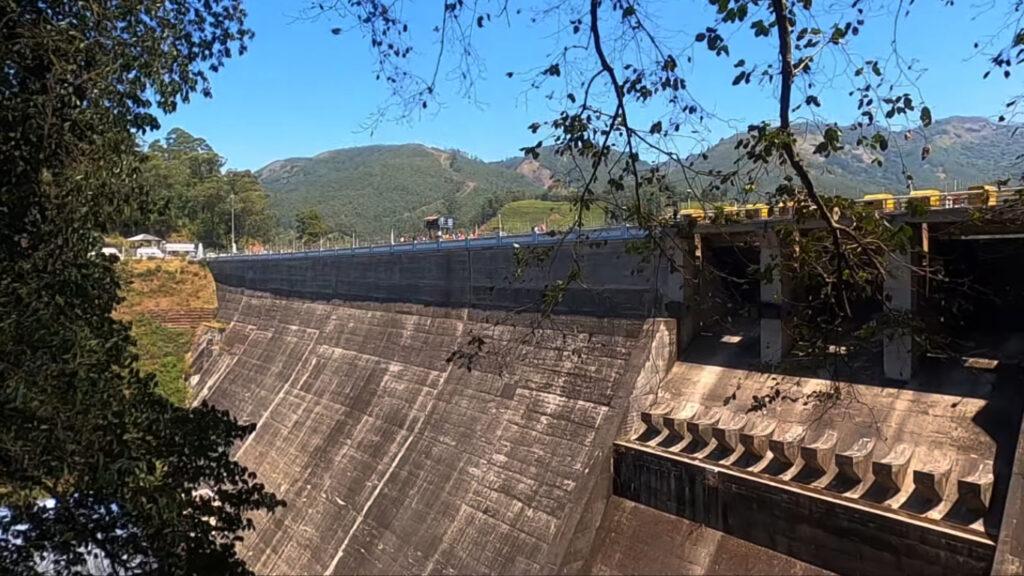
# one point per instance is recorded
(149, 486)
(369, 190)
(186, 191)
(310, 226)
(620, 87)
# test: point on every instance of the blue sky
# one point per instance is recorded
(301, 90)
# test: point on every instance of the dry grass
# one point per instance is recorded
(165, 284)
(151, 285)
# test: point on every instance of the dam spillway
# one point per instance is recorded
(403, 447)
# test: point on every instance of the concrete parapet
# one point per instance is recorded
(755, 438)
(931, 479)
(975, 483)
(700, 427)
(891, 471)
(618, 282)
(727, 431)
(819, 455)
(855, 464)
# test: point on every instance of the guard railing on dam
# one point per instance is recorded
(533, 239)
(924, 200)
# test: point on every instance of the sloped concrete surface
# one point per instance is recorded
(393, 460)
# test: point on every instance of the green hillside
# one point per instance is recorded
(371, 189)
(523, 215)
(553, 171)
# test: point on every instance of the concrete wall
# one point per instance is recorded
(394, 460)
(637, 539)
(617, 283)
(822, 532)
(1010, 552)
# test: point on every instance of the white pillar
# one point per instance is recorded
(902, 282)
(776, 289)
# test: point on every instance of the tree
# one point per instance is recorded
(184, 190)
(612, 63)
(149, 486)
(254, 219)
(309, 225)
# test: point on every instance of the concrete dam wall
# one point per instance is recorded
(393, 461)
(419, 416)
(391, 458)
(617, 283)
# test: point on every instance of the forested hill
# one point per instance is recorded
(371, 189)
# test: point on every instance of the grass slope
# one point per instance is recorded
(155, 285)
(523, 215)
(163, 352)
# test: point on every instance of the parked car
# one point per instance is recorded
(147, 252)
(111, 251)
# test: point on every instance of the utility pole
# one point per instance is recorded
(234, 248)
(499, 224)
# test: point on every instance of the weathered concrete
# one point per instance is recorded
(826, 532)
(852, 463)
(902, 286)
(776, 290)
(395, 461)
(1009, 557)
(616, 281)
(636, 539)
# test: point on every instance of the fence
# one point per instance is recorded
(887, 203)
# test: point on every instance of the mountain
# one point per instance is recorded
(964, 151)
(370, 189)
(553, 172)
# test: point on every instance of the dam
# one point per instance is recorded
(422, 413)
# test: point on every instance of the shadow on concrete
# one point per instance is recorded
(808, 475)
(878, 492)
(1000, 418)
(965, 511)
(920, 502)
(841, 484)
(739, 349)
(776, 467)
